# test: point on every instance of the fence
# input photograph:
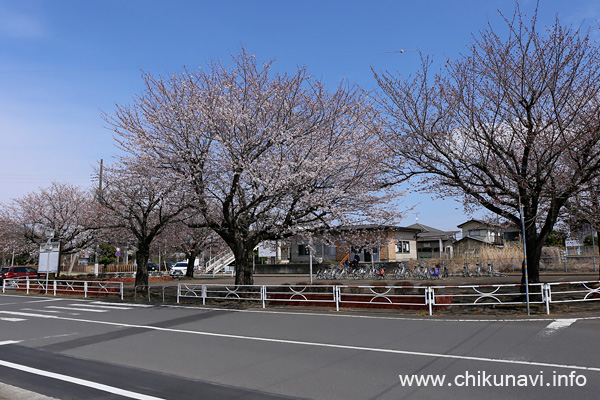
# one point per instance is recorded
(90, 269)
(426, 298)
(56, 287)
(558, 263)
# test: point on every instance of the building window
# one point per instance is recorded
(303, 250)
(402, 246)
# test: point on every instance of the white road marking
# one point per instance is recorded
(315, 344)
(42, 301)
(9, 342)
(123, 304)
(336, 315)
(77, 381)
(75, 309)
(557, 325)
(28, 296)
(54, 336)
(12, 319)
(33, 309)
(99, 306)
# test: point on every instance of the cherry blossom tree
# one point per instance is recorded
(66, 209)
(12, 240)
(513, 121)
(186, 237)
(266, 155)
(139, 203)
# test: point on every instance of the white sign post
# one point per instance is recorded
(51, 250)
(48, 261)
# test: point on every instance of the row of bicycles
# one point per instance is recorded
(420, 271)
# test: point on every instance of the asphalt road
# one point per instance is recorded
(73, 349)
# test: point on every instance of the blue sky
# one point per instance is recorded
(62, 62)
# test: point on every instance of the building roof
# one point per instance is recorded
(432, 233)
(478, 221)
(379, 227)
(466, 238)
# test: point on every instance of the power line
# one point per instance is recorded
(141, 68)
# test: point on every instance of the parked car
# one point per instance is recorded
(18, 272)
(179, 269)
(152, 266)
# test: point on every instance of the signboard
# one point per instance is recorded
(49, 256)
(267, 249)
(572, 243)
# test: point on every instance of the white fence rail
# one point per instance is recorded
(426, 298)
(56, 287)
(382, 296)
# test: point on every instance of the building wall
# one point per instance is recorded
(409, 237)
(469, 247)
(430, 248)
(486, 233)
(386, 250)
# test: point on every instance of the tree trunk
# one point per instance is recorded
(191, 259)
(534, 252)
(141, 258)
(243, 263)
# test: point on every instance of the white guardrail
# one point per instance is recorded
(55, 287)
(426, 298)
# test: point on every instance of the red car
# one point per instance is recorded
(18, 272)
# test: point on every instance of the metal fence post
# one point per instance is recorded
(27, 286)
(547, 295)
(54, 287)
(178, 291)
(203, 295)
(429, 298)
(263, 295)
(336, 297)
(85, 289)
